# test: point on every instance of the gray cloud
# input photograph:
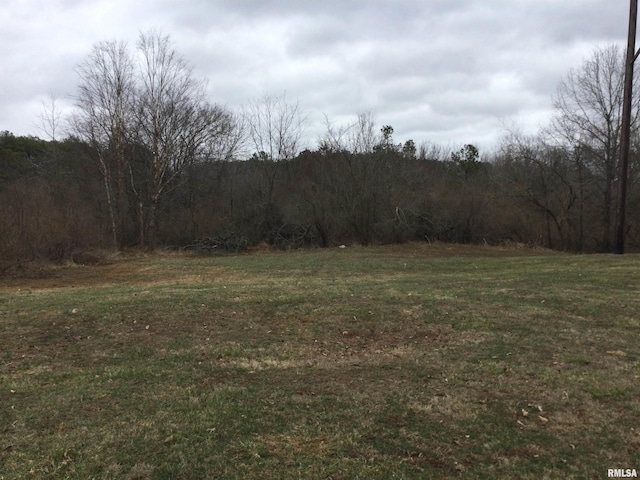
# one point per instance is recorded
(445, 71)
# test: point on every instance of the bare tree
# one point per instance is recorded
(50, 118)
(542, 178)
(357, 137)
(176, 124)
(275, 127)
(228, 138)
(588, 117)
(431, 151)
(103, 119)
(363, 175)
(146, 125)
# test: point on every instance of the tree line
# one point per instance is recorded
(147, 160)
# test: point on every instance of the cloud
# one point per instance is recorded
(437, 70)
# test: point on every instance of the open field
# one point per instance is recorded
(415, 361)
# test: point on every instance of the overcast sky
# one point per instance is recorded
(445, 71)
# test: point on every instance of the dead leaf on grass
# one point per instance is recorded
(617, 353)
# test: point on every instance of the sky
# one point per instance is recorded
(446, 72)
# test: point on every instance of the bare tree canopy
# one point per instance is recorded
(104, 117)
(158, 110)
(588, 117)
(161, 148)
(50, 119)
(357, 137)
(275, 127)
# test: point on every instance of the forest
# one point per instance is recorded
(146, 160)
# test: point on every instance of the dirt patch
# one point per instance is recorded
(104, 269)
(100, 268)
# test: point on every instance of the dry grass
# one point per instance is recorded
(413, 361)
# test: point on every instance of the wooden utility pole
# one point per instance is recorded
(625, 132)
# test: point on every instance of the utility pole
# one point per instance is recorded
(625, 132)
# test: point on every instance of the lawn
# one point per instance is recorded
(413, 361)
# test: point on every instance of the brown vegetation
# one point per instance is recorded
(123, 181)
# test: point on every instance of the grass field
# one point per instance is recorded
(414, 361)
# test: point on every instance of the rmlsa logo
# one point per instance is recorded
(622, 473)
